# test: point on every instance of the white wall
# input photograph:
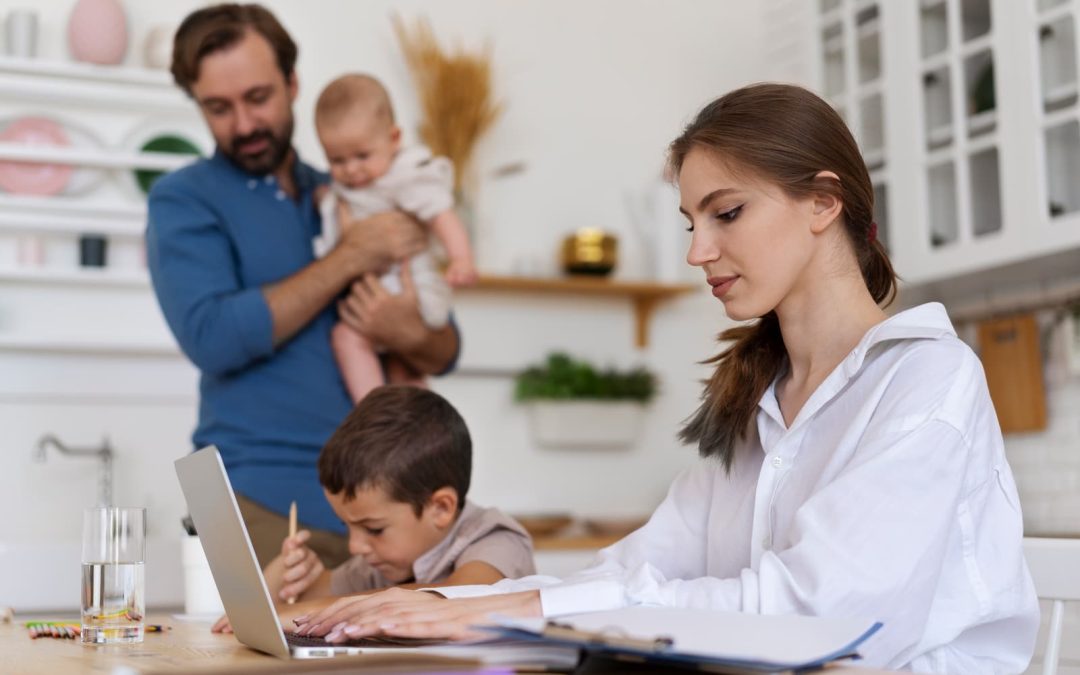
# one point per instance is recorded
(593, 93)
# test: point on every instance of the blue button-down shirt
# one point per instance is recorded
(216, 235)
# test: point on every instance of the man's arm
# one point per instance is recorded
(374, 245)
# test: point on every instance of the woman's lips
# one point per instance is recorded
(721, 285)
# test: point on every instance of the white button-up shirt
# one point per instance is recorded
(889, 497)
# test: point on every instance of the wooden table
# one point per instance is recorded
(188, 647)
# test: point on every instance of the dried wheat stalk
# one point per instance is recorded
(455, 92)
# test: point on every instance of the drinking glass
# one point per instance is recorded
(113, 586)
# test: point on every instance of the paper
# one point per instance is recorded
(752, 641)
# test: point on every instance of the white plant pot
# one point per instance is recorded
(584, 424)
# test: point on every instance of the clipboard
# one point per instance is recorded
(728, 642)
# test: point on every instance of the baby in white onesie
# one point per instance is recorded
(372, 173)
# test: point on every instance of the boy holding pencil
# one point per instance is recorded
(396, 472)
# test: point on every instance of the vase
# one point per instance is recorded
(586, 424)
(97, 32)
(157, 47)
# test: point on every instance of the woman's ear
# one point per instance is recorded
(442, 507)
(827, 207)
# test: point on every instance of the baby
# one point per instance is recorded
(371, 173)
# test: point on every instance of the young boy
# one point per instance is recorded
(396, 472)
(371, 173)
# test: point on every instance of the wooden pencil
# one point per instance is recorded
(292, 533)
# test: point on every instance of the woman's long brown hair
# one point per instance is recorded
(785, 135)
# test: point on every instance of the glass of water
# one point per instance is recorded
(113, 587)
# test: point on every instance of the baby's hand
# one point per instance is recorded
(302, 566)
(461, 273)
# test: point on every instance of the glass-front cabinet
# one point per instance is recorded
(967, 115)
(852, 68)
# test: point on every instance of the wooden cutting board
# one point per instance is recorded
(1012, 359)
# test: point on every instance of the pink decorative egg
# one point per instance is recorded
(97, 31)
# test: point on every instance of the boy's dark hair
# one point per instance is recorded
(408, 441)
(218, 27)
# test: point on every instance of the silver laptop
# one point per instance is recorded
(235, 568)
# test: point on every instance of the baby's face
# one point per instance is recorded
(358, 150)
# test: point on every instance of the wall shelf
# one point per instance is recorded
(646, 295)
(77, 276)
(58, 82)
(43, 154)
(78, 70)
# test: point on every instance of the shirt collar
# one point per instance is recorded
(929, 321)
(305, 176)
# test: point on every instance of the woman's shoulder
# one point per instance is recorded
(938, 379)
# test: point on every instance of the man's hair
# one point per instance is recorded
(353, 92)
(219, 27)
(408, 441)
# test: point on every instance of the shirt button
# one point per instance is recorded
(280, 194)
(252, 183)
(268, 179)
(765, 542)
(777, 462)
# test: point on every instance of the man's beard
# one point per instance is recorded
(267, 160)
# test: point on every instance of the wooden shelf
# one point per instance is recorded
(646, 295)
(584, 542)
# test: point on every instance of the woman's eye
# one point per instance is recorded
(374, 531)
(730, 214)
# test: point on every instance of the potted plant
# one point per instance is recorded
(573, 404)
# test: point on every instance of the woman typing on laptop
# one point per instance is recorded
(852, 462)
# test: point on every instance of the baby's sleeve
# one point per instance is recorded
(429, 189)
(508, 551)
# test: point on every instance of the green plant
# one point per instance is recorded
(564, 378)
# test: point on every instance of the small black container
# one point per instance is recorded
(92, 250)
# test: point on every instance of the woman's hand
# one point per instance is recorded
(417, 614)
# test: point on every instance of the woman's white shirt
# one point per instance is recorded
(889, 497)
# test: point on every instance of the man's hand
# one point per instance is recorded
(372, 245)
(392, 321)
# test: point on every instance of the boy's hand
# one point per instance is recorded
(302, 566)
(222, 625)
(461, 272)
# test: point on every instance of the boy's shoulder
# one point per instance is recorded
(480, 534)
(476, 521)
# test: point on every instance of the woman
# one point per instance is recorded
(853, 464)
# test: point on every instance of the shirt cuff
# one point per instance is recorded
(588, 596)
(452, 592)
(254, 325)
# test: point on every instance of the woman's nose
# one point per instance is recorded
(702, 249)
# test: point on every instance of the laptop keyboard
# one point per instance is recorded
(311, 641)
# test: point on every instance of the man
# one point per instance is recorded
(230, 256)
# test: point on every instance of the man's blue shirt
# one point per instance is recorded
(215, 236)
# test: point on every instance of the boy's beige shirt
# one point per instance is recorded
(480, 534)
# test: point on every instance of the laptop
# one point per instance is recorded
(251, 612)
(236, 571)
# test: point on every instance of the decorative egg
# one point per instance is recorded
(98, 32)
(157, 46)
